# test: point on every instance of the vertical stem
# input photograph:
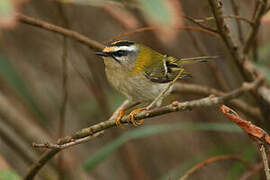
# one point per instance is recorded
(265, 162)
(198, 45)
(257, 22)
(239, 27)
(216, 7)
(63, 107)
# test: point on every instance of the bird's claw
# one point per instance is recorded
(120, 115)
(132, 119)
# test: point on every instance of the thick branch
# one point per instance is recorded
(175, 106)
(59, 30)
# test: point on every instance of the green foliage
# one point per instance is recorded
(6, 8)
(152, 130)
(9, 175)
(9, 75)
(156, 10)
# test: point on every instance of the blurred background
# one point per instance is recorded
(52, 86)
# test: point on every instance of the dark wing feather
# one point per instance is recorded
(164, 72)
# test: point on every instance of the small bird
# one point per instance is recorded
(140, 73)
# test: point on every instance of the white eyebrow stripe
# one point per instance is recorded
(126, 48)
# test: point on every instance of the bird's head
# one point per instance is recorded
(120, 54)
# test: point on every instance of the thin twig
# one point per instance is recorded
(150, 106)
(63, 107)
(67, 145)
(213, 160)
(265, 162)
(224, 32)
(257, 21)
(85, 40)
(162, 94)
(57, 29)
(238, 23)
(201, 49)
(237, 17)
(22, 149)
(175, 106)
(190, 28)
(198, 22)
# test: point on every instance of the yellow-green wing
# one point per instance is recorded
(164, 71)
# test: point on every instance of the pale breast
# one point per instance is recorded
(135, 87)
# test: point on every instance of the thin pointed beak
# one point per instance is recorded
(102, 54)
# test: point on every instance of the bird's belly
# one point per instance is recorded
(136, 87)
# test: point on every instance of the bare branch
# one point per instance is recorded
(94, 45)
(63, 146)
(238, 23)
(175, 106)
(265, 162)
(216, 6)
(63, 107)
(198, 21)
(257, 21)
(150, 106)
(189, 28)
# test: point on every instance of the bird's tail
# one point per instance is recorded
(194, 60)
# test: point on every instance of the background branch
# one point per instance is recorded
(57, 29)
(224, 32)
(257, 21)
(211, 160)
(241, 105)
(239, 27)
(265, 162)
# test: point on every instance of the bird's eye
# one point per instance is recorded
(119, 53)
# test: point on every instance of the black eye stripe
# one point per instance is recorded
(119, 53)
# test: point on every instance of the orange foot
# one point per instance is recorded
(119, 117)
(131, 116)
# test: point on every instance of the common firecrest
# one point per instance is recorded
(141, 73)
